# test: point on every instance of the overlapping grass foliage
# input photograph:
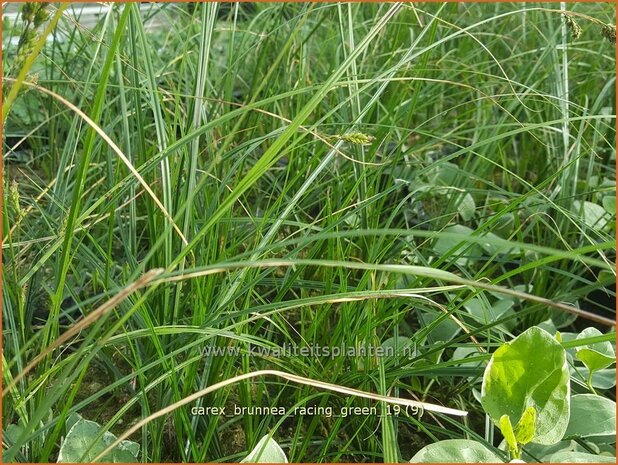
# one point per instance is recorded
(311, 174)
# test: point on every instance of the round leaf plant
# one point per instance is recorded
(527, 384)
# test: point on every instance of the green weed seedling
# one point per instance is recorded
(78, 445)
(266, 451)
(527, 384)
(596, 356)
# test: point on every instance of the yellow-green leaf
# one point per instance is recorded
(531, 370)
(507, 431)
(524, 431)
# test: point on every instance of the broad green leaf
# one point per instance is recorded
(71, 420)
(466, 207)
(487, 313)
(462, 353)
(549, 326)
(606, 277)
(78, 445)
(592, 415)
(563, 319)
(532, 452)
(443, 328)
(578, 457)
(595, 356)
(492, 248)
(12, 432)
(352, 220)
(609, 203)
(456, 451)
(601, 379)
(593, 215)
(399, 346)
(502, 224)
(468, 251)
(526, 288)
(525, 429)
(493, 244)
(518, 377)
(266, 451)
(444, 174)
